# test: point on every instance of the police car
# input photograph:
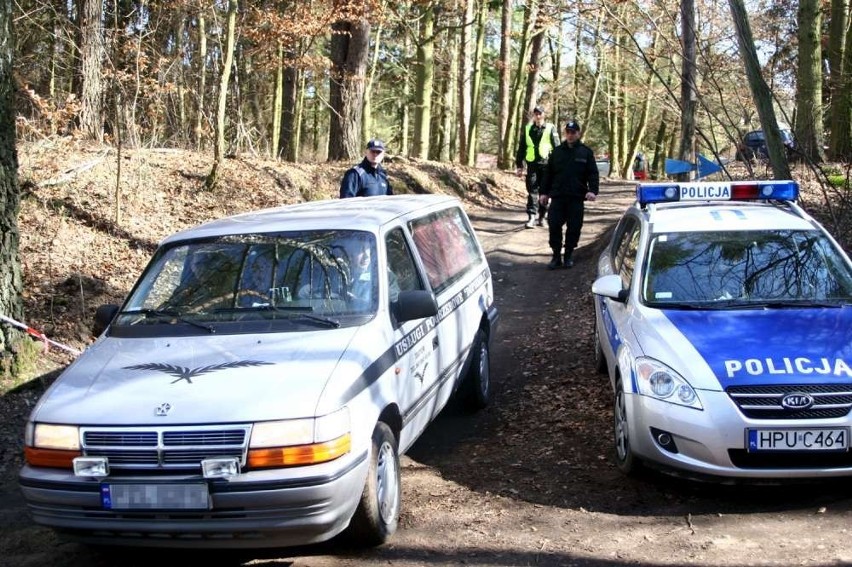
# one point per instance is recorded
(723, 317)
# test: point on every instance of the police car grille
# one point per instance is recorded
(138, 450)
(764, 402)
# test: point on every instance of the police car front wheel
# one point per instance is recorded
(625, 460)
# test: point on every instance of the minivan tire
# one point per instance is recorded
(377, 515)
(478, 379)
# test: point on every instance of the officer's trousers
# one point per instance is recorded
(565, 212)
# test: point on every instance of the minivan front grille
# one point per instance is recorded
(133, 449)
(764, 402)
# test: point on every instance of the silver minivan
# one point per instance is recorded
(260, 381)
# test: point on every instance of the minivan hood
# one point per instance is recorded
(771, 346)
(208, 379)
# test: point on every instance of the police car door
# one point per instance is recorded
(415, 343)
(615, 314)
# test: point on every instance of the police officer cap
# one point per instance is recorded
(376, 144)
(538, 110)
(573, 125)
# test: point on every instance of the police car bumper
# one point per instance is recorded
(255, 510)
(715, 442)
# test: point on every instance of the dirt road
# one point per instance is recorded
(530, 480)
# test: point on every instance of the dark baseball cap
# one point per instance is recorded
(376, 144)
(538, 110)
(573, 125)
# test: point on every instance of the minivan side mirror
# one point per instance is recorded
(415, 304)
(103, 317)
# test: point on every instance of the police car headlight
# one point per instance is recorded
(657, 380)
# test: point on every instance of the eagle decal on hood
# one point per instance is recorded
(183, 373)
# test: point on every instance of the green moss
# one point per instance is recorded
(837, 180)
(20, 365)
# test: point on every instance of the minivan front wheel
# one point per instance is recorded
(377, 515)
(478, 379)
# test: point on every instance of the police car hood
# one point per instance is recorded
(210, 379)
(765, 346)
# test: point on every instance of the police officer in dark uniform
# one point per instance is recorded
(570, 179)
(537, 141)
(368, 178)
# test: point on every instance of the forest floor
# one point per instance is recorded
(530, 480)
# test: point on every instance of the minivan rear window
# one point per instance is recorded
(446, 245)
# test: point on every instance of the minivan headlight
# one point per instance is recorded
(657, 380)
(49, 436)
(50, 445)
(295, 442)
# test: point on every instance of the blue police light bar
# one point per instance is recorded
(717, 191)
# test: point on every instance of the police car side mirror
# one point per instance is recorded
(610, 286)
(103, 317)
(415, 304)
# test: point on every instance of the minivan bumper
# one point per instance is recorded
(256, 510)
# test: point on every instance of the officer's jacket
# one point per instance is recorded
(364, 180)
(536, 143)
(570, 172)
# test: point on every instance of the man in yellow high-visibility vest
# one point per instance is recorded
(538, 139)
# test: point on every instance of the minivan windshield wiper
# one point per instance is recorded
(297, 313)
(168, 313)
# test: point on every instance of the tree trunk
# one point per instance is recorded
(809, 133)
(658, 166)
(405, 104)
(841, 140)
(600, 63)
(516, 117)
(424, 83)
(760, 91)
(505, 159)
(476, 87)
(446, 152)
(837, 32)
(91, 68)
(219, 147)
(349, 51)
(367, 118)
(11, 280)
(202, 81)
(688, 102)
(465, 66)
(533, 68)
(277, 100)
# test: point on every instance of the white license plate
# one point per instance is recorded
(797, 439)
(155, 496)
(705, 191)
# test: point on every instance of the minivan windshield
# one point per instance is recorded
(313, 278)
(745, 269)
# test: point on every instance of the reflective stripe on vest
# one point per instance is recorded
(544, 145)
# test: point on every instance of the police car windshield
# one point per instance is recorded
(745, 269)
(278, 279)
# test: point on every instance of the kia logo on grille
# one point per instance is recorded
(797, 401)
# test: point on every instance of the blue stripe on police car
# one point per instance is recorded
(781, 346)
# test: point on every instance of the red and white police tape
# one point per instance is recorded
(38, 335)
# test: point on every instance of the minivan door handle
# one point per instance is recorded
(435, 342)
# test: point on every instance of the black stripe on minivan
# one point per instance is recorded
(379, 366)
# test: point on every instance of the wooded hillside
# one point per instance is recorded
(435, 79)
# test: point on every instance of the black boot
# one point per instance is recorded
(569, 262)
(540, 221)
(555, 262)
